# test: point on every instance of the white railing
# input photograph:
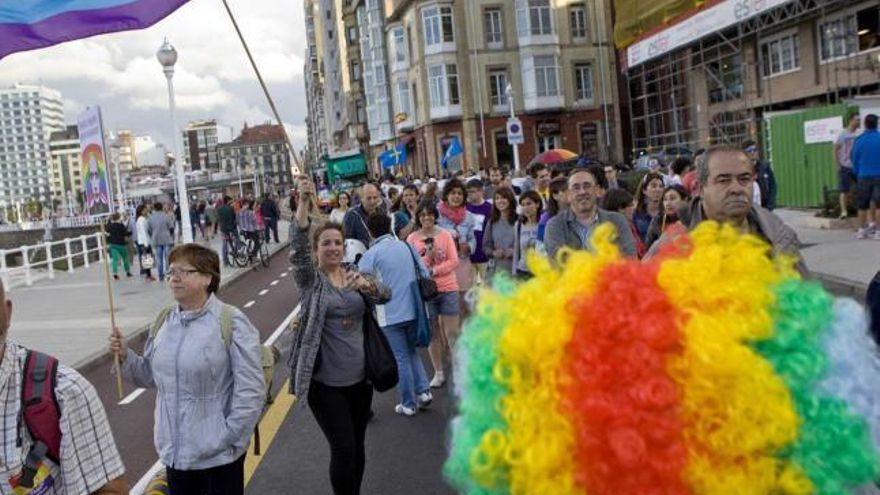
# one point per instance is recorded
(74, 248)
(61, 222)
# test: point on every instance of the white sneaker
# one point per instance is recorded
(404, 411)
(862, 233)
(877, 235)
(424, 400)
(438, 380)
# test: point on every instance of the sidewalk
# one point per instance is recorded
(69, 317)
(835, 257)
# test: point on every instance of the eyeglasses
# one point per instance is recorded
(751, 149)
(180, 272)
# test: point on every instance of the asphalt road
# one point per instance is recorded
(132, 424)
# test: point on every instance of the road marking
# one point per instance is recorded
(284, 274)
(274, 282)
(269, 424)
(142, 483)
(249, 304)
(263, 292)
(132, 396)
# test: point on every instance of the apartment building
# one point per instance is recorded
(259, 150)
(200, 140)
(66, 181)
(28, 116)
(313, 73)
(711, 75)
(450, 64)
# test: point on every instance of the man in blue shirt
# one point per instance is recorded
(866, 166)
(394, 264)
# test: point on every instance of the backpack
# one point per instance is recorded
(41, 413)
(269, 357)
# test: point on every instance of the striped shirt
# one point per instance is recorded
(247, 221)
(89, 459)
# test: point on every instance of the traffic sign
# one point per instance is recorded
(515, 131)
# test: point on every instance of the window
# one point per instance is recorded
(534, 17)
(438, 25)
(403, 103)
(399, 39)
(855, 32)
(780, 55)
(498, 87)
(443, 85)
(546, 76)
(583, 82)
(726, 78)
(578, 19)
(355, 70)
(494, 32)
(352, 35)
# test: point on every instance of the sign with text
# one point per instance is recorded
(97, 195)
(822, 130)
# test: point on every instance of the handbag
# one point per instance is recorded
(422, 335)
(427, 285)
(147, 261)
(381, 365)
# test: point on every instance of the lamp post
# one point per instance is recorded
(167, 56)
(509, 92)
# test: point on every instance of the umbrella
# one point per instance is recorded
(554, 156)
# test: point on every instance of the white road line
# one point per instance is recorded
(132, 396)
(141, 485)
(249, 304)
(284, 274)
(263, 292)
(274, 282)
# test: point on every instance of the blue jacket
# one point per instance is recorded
(866, 155)
(392, 262)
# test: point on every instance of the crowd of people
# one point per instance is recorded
(402, 261)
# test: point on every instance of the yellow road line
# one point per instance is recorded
(269, 426)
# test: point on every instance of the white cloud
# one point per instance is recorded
(213, 78)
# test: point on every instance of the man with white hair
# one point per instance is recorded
(355, 221)
(66, 447)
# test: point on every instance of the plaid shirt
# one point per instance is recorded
(89, 458)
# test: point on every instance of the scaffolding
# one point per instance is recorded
(717, 79)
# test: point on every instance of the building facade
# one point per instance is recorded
(259, 150)
(316, 123)
(28, 116)
(376, 82)
(66, 184)
(710, 76)
(200, 140)
(450, 63)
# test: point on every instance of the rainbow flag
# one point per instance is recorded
(713, 370)
(31, 24)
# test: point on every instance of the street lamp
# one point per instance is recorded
(509, 92)
(167, 56)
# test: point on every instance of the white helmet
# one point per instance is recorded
(354, 249)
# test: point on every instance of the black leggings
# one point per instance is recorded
(342, 413)
(227, 479)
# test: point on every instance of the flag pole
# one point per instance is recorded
(103, 246)
(302, 166)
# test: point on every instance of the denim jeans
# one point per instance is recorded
(412, 378)
(160, 253)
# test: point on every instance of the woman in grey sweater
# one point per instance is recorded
(327, 359)
(500, 233)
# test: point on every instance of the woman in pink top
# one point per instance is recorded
(437, 249)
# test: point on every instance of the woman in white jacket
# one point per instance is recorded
(142, 240)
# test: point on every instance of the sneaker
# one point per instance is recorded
(405, 411)
(424, 400)
(843, 216)
(438, 379)
(128, 274)
(115, 277)
(862, 233)
(877, 235)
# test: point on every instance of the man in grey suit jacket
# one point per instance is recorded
(159, 226)
(574, 225)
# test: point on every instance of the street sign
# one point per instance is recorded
(515, 131)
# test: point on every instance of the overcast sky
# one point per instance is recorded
(213, 79)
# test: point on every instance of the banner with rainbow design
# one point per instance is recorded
(713, 370)
(31, 24)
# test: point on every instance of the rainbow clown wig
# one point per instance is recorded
(713, 369)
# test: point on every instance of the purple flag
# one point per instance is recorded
(31, 24)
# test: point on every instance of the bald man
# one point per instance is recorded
(89, 461)
(355, 221)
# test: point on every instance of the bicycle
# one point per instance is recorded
(236, 253)
(252, 254)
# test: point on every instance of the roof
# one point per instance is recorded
(70, 133)
(259, 134)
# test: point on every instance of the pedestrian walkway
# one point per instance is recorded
(69, 316)
(835, 257)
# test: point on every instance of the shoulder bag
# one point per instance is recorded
(381, 365)
(427, 286)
